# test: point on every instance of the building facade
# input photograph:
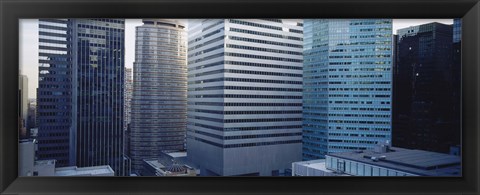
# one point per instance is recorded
(23, 106)
(54, 92)
(346, 85)
(128, 109)
(98, 91)
(426, 109)
(32, 114)
(244, 95)
(159, 99)
(128, 97)
(80, 94)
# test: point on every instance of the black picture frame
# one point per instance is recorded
(13, 10)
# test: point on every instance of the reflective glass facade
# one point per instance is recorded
(159, 99)
(98, 91)
(426, 110)
(244, 95)
(54, 92)
(347, 82)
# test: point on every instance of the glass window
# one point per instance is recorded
(383, 172)
(376, 171)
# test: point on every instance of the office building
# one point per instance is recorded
(127, 110)
(80, 93)
(23, 106)
(23, 98)
(32, 114)
(244, 95)
(457, 79)
(426, 106)
(383, 161)
(346, 85)
(159, 98)
(54, 92)
(98, 91)
(128, 97)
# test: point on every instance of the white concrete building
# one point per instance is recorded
(244, 95)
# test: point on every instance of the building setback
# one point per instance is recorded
(346, 85)
(426, 112)
(244, 95)
(80, 94)
(159, 100)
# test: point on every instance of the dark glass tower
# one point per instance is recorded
(81, 92)
(54, 92)
(98, 96)
(424, 115)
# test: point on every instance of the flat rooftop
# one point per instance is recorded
(418, 162)
(84, 171)
(318, 165)
(177, 154)
(44, 162)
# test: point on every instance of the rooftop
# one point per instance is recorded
(412, 161)
(104, 170)
(318, 165)
(45, 162)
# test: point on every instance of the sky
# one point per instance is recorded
(29, 45)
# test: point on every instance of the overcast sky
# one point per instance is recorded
(29, 44)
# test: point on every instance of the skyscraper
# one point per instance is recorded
(98, 91)
(80, 94)
(424, 114)
(346, 85)
(32, 113)
(244, 95)
(54, 92)
(457, 75)
(23, 105)
(128, 97)
(128, 109)
(159, 99)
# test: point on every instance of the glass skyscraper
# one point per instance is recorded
(244, 95)
(427, 91)
(347, 85)
(80, 94)
(159, 100)
(54, 104)
(98, 91)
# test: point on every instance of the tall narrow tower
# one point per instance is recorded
(159, 100)
(80, 93)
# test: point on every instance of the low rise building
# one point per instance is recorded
(381, 161)
(104, 170)
(29, 166)
(173, 163)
